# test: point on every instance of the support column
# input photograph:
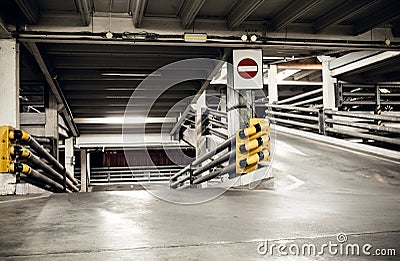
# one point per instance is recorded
(69, 155)
(272, 84)
(328, 83)
(223, 107)
(201, 139)
(239, 106)
(88, 168)
(83, 171)
(51, 127)
(9, 100)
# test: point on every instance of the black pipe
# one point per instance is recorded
(36, 183)
(24, 136)
(42, 139)
(40, 164)
(206, 167)
(228, 169)
(30, 172)
(214, 163)
(207, 156)
(211, 175)
(51, 173)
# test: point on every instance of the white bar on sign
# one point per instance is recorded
(247, 68)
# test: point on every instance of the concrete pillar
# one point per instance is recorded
(201, 141)
(88, 168)
(232, 99)
(83, 171)
(69, 155)
(272, 84)
(239, 106)
(51, 127)
(328, 83)
(223, 107)
(9, 100)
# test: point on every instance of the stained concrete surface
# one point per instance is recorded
(320, 191)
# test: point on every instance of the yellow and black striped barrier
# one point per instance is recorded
(252, 145)
(379, 112)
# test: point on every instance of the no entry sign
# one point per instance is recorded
(247, 68)
(248, 72)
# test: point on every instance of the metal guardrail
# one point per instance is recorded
(363, 126)
(33, 163)
(130, 175)
(331, 122)
(190, 174)
(309, 118)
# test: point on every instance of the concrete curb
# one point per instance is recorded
(341, 143)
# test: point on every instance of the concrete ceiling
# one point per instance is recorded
(70, 37)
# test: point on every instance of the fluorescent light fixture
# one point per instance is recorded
(131, 74)
(273, 58)
(195, 38)
(125, 120)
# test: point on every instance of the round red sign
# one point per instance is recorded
(247, 68)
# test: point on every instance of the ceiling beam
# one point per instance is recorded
(350, 58)
(364, 63)
(293, 11)
(242, 10)
(341, 13)
(138, 9)
(4, 33)
(82, 7)
(30, 9)
(189, 11)
(204, 86)
(55, 88)
(315, 75)
(396, 29)
(302, 74)
(300, 66)
(387, 14)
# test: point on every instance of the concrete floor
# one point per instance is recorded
(320, 191)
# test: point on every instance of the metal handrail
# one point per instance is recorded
(193, 170)
(364, 125)
(38, 165)
(363, 116)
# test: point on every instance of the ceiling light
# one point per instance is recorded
(109, 35)
(387, 41)
(131, 74)
(128, 120)
(253, 38)
(244, 38)
(195, 38)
